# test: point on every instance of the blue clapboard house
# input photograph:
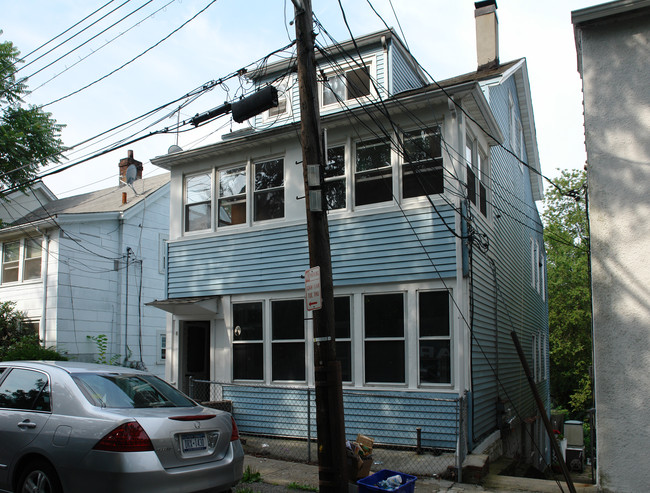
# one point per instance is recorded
(436, 241)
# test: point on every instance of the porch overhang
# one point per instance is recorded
(197, 305)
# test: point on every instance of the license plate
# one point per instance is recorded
(193, 442)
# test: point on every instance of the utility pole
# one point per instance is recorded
(330, 425)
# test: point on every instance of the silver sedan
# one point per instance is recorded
(69, 427)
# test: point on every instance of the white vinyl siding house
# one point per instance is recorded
(83, 267)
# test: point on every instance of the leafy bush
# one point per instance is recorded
(29, 348)
(18, 338)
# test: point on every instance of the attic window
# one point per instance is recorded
(348, 85)
(283, 100)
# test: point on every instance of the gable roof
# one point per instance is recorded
(518, 70)
(100, 201)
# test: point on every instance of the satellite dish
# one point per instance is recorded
(174, 148)
(131, 174)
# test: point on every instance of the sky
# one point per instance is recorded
(159, 67)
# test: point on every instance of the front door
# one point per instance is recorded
(195, 353)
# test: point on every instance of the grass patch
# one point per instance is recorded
(251, 476)
(301, 487)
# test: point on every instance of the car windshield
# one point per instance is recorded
(122, 390)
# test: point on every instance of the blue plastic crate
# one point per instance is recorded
(369, 484)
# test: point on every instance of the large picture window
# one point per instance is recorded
(288, 340)
(434, 336)
(384, 338)
(269, 190)
(248, 341)
(232, 196)
(373, 177)
(198, 202)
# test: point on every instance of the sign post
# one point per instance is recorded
(312, 289)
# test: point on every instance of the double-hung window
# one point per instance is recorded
(232, 196)
(32, 259)
(422, 171)
(248, 341)
(198, 202)
(476, 166)
(334, 178)
(434, 336)
(343, 333)
(373, 176)
(470, 161)
(21, 260)
(268, 201)
(384, 344)
(288, 340)
(347, 85)
(10, 261)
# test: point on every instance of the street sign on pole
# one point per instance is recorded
(312, 289)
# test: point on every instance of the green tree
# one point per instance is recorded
(567, 247)
(29, 136)
(18, 338)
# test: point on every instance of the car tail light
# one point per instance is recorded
(129, 437)
(235, 431)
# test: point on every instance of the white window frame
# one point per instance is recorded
(542, 274)
(247, 196)
(370, 63)
(285, 94)
(533, 268)
(263, 341)
(394, 180)
(253, 191)
(161, 346)
(404, 164)
(448, 337)
(273, 341)
(403, 339)
(348, 340)
(344, 178)
(189, 176)
(163, 238)
(21, 262)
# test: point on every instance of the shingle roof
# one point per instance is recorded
(106, 200)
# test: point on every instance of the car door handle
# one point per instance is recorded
(26, 424)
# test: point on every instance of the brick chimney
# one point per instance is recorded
(124, 165)
(487, 34)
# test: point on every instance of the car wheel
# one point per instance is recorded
(39, 477)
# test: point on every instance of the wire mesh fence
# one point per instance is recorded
(417, 433)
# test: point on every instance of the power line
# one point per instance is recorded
(89, 39)
(68, 29)
(212, 2)
(188, 96)
(71, 37)
(68, 67)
